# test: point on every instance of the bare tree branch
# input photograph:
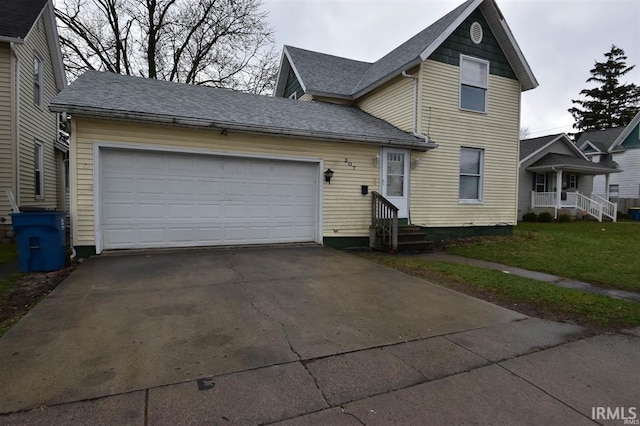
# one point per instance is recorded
(223, 43)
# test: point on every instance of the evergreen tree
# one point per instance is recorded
(609, 104)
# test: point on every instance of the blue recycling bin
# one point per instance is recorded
(634, 212)
(41, 240)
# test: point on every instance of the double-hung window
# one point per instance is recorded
(474, 82)
(37, 81)
(471, 171)
(38, 169)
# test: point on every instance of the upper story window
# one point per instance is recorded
(38, 169)
(471, 175)
(37, 81)
(474, 82)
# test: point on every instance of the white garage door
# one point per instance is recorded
(158, 199)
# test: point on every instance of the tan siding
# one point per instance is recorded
(306, 97)
(346, 212)
(6, 130)
(393, 103)
(434, 183)
(36, 123)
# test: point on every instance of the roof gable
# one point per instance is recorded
(335, 75)
(459, 43)
(529, 148)
(602, 140)
(630, 136)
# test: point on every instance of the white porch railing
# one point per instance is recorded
(586, 204)
(543, 199)
(596, 207)
(608, 208)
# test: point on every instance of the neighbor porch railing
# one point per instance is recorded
(586, 204)
(595, 206)
(608, 208)
(384, 218)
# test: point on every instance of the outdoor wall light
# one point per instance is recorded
(376, 160)
(328, 174)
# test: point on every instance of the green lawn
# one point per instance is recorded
(605, 254)
(531, 297)
(8, 253)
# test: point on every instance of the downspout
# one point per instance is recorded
(16, 118)
(71, 187)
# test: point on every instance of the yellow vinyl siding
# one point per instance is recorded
(393, 103)
(6, 130)
(435, 181)
(346, 213)
(306, 97)
(36, 123)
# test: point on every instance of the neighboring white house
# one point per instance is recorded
(556, 176)
(618, 147)
(32, 158)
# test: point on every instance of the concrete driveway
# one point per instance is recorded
(253, 336)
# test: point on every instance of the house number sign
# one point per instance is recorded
(349, 163)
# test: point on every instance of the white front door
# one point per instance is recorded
(395, 178)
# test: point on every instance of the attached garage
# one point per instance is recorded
(170, 199)
(155, 164)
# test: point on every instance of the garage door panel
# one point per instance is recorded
(152, 199)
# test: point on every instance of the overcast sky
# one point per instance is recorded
(561, 39)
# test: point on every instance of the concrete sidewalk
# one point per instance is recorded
(540, 276)
(524, 372)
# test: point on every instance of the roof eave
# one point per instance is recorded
(281, 79)
(450, 29)
(329, 94)
(53, 40)
(390, 76)
(418, 145)
(573, 168)
(15, 40)
(513, 52)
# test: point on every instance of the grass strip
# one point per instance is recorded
(531, 297)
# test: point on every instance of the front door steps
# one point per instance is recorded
(410, 238)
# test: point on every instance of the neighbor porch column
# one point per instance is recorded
(558, 192)
(606, 186)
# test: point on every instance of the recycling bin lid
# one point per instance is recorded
(32, 209)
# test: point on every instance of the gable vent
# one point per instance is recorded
(476, 33)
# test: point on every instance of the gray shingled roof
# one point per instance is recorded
(409, 51)
(569, 161)
(342, 76)
(327, 73)
(602, 139)
(18, 16)
(529, 146)
(101, 94)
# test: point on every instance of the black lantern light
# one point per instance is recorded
(328, 174)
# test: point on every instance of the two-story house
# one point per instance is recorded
(430, 132)
(32, 159)
(618, 147)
